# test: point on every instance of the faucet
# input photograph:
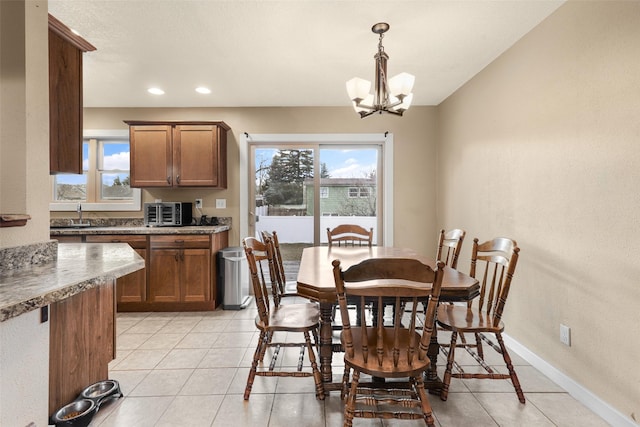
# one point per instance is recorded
(79, 209)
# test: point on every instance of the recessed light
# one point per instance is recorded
(203, 90)
(155, 91)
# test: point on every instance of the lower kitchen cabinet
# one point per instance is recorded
(180, 269)
(179, 274)
(81, 342)
(132, 287)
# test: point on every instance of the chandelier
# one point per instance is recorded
(391, 96)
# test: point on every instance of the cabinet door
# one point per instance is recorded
(65, 106)
(196, 156)
(196, 275)
(133, 286)
(164, 275)
(151, 161)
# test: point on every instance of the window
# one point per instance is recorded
(104, 183)
(365, 192)
(324, 192)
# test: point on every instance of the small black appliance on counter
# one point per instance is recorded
(168, 214)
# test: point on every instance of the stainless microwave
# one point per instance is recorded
(167, 214)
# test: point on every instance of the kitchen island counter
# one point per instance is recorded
(78, 267)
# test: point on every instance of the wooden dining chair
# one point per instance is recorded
(395, 352)
(449, 246)
(350, 235)
(301, 318)
(287, 288)
(493, 263)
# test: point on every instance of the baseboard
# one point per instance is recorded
(575, 389)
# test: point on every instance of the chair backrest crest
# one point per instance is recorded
(349, 234)
(449, 246)
(493, 263)
(389, 342)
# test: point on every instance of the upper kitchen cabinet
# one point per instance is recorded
(178, 154)
(65, 98)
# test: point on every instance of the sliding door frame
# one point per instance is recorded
(384, 140)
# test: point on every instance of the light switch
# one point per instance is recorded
(221, 203)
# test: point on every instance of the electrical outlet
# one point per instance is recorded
(221, 203)
(565, 334)
(198, 203)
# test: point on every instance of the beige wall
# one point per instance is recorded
(414, 161)
(24, 120)
(542, 146)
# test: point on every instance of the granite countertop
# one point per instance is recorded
(192, 229)
(79, 266)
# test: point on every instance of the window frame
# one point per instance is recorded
(135, 204)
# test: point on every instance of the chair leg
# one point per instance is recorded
(317, 377)
(264, 340)
(512, 371)
(350, 406)
(479, 347)
(345, 383)
(446, 381)
(260, 348)
(424, 401)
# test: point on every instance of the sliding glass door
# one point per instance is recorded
(300, 190)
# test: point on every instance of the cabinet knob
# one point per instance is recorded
(178, 179)
(168, 180)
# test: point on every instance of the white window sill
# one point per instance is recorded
(133, 205)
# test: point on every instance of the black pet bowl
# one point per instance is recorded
(78, 413)
(101, 391)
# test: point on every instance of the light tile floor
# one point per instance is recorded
(190, 369)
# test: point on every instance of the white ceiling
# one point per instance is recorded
(285, 52)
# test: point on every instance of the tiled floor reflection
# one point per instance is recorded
(190, 369)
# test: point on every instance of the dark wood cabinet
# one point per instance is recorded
(133, 286)
(179, 275)
(178, 154)
(180, 269)
(81, 342)
(65, 98)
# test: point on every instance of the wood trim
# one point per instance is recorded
(65, 32)
(166, 306)
(14, 220)
(222, 125)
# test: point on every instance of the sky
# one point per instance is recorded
(341, 163)
(116, 156)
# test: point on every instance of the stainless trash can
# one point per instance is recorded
(233, 278)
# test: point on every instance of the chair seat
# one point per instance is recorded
(291, 317)
(387, 370)
(463, 319)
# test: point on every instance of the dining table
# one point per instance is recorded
(315, 281)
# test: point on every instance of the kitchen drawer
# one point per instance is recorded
(180, 241)
(136, 241)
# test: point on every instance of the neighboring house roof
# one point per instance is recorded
(328, 182)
